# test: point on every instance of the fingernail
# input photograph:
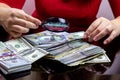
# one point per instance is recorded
(85, 35)
(105, 42)
(95, 39)
(39, 23)
(36, 26)
(90, 40)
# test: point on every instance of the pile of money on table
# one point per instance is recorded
(68, 48)
(17, 55)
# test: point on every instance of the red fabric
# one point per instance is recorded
(14, 3)
(115, 5)
(80, 13)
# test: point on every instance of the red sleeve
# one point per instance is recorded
(14, 3)
(115, 5)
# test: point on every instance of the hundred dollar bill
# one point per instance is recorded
(34, 54)
(80, 54)
(17, 69)
(10, 62)
(65, 47)
(59, 56)
(76, 43)
(75, 35)
(3, 48)
(99, 58)
(14, 61)
(5, 52)
(83, 61)
(92, 49)
(72, 44)
(47, 39)
(18, 45)
(58, 51)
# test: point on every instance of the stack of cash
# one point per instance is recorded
(10, 62)
(17, 55)
(23, 48)
(68, 48)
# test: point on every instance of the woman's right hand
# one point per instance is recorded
(16, 21)
(102, 27)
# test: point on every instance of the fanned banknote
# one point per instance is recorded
(46, 39)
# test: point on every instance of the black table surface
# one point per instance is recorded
(16, 75)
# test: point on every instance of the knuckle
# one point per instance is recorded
(98, 30)
(108, 29)
(10, 21)
(25, 24)
(13, 13)
(88, 31)
(102, 34)
(22, 11)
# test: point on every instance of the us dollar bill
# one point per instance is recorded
(34, 54)
(14, 61)
(75, 35)
(59, 56)
(65, 47)
(18, 45)
(5, 52)
(80, 54)
(47, 39)
(99, 58)
(14, 64)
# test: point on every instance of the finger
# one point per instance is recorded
(100, 30)
(32, 19)
(110, 38)
(92, 27)
(24, 23)
(19, 29)
(103, 33)
(21, 14)
(15, 34)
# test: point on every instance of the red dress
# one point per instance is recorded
(79, 13)
(14, 3)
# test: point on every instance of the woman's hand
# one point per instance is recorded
(102, 27)
(16, 21)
